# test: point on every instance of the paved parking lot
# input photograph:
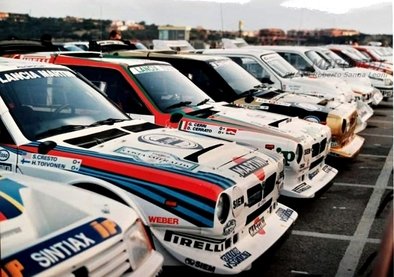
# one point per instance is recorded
(339, 232)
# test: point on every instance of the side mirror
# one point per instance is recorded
(266, 80)
(176, 117)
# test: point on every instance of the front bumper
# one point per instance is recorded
(387, 92)
(364, 112)
(319, 177)
(350, 149)
(238, 254)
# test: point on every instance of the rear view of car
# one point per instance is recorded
(51, 229)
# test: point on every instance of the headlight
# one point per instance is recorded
(223, 207)
(388, 82)
(139, 243)
(298, 153)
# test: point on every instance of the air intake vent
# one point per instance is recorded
(97, 138)
(110, 262)
(141, 127)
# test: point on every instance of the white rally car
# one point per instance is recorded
(204, 200)
(155, 91)
(269, 67)
(379, 80)
(52, 229)
(308, 61)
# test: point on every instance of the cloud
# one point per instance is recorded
(332, 6)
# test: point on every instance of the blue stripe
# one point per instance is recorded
(219, 180)
(11, 188)
(135, 185)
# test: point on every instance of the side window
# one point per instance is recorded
(5, 137)
(252, 66)
(115, 87)
(200, 75)
(295, 60)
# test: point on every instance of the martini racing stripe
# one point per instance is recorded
(11, 204)
(193, 213)
(94, 159)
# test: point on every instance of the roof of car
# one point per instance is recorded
(7, 64)
(254, 51)
(287, 47)
(129, 62)
(186, 56)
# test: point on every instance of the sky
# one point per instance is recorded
(368, 16)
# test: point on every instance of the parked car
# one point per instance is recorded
(203, 199)
(375, 53)
(224, 80)
(357, 59)
(47, 231)
(307, 61)
(155, 91)
(270, 68)
(382, 81)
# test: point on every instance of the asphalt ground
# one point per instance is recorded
(339, 232)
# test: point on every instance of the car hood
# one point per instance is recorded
(325, 87)
(144, 143)
(266, 122)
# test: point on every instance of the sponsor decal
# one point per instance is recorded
(327, 168)
(202, 128)
(229, 227)
(149, 69)
(234, 257)
(307, 151)
(40, 160)
(261, 100)
(284, 214)
(11, 203)
(301, 188)
(169, 141)
(7, 77)
(5, 166)
(238, 202)
(257, 227)
(200, 265)
(263, 107)
(288, 155)
(156, 158)
(231, 131)
(198, 242)
(249, 166)
(164, 220)
(56, 250)
(313, 174)
(4, 155)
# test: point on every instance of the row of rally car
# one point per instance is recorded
(209, 202)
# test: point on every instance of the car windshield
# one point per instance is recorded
(317, 60)
(45, 102)
(237, 77)
(355, 54)
(335, 59)
(278, 64)
(167, 87)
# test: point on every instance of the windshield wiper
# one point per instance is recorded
(203, 102)
(108, 121)
(59, 130)
(290, 74)
(179, 104)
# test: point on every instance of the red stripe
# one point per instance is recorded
(197, 186)
(2, 216)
